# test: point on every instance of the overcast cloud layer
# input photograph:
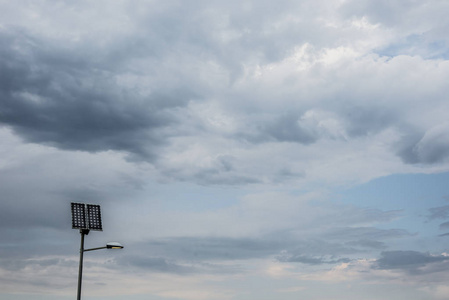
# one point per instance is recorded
(239, 149)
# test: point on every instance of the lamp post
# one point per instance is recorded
(93, 216)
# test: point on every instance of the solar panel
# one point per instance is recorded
(89, 218)
(78, 216)
(94, 217)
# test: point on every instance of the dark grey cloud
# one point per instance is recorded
(367, 120)
(69, 95)
(69, 101)
(435, 153)
(357, 121)
(286, 128)
(406, 148)
(419, 148)
(409, 261)
(444, 225)
(441, 212)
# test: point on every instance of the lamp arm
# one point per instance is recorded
(91, 249)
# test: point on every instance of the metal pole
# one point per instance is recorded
(80, 272)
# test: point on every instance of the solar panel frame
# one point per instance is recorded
(78, 216)
(94, 217)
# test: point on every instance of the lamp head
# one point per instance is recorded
(114, 245)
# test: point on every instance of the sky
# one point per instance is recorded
(238, 149)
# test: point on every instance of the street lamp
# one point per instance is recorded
(86, 217)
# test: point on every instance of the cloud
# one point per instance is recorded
(259, 234)
(156, 264)
(431, 148)
(363, 233)
(204, 94)
(20, 265)
(441, 212)
(311, 260)
(410, 261)
(444, 225)
(212, 248)
(72, 105)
